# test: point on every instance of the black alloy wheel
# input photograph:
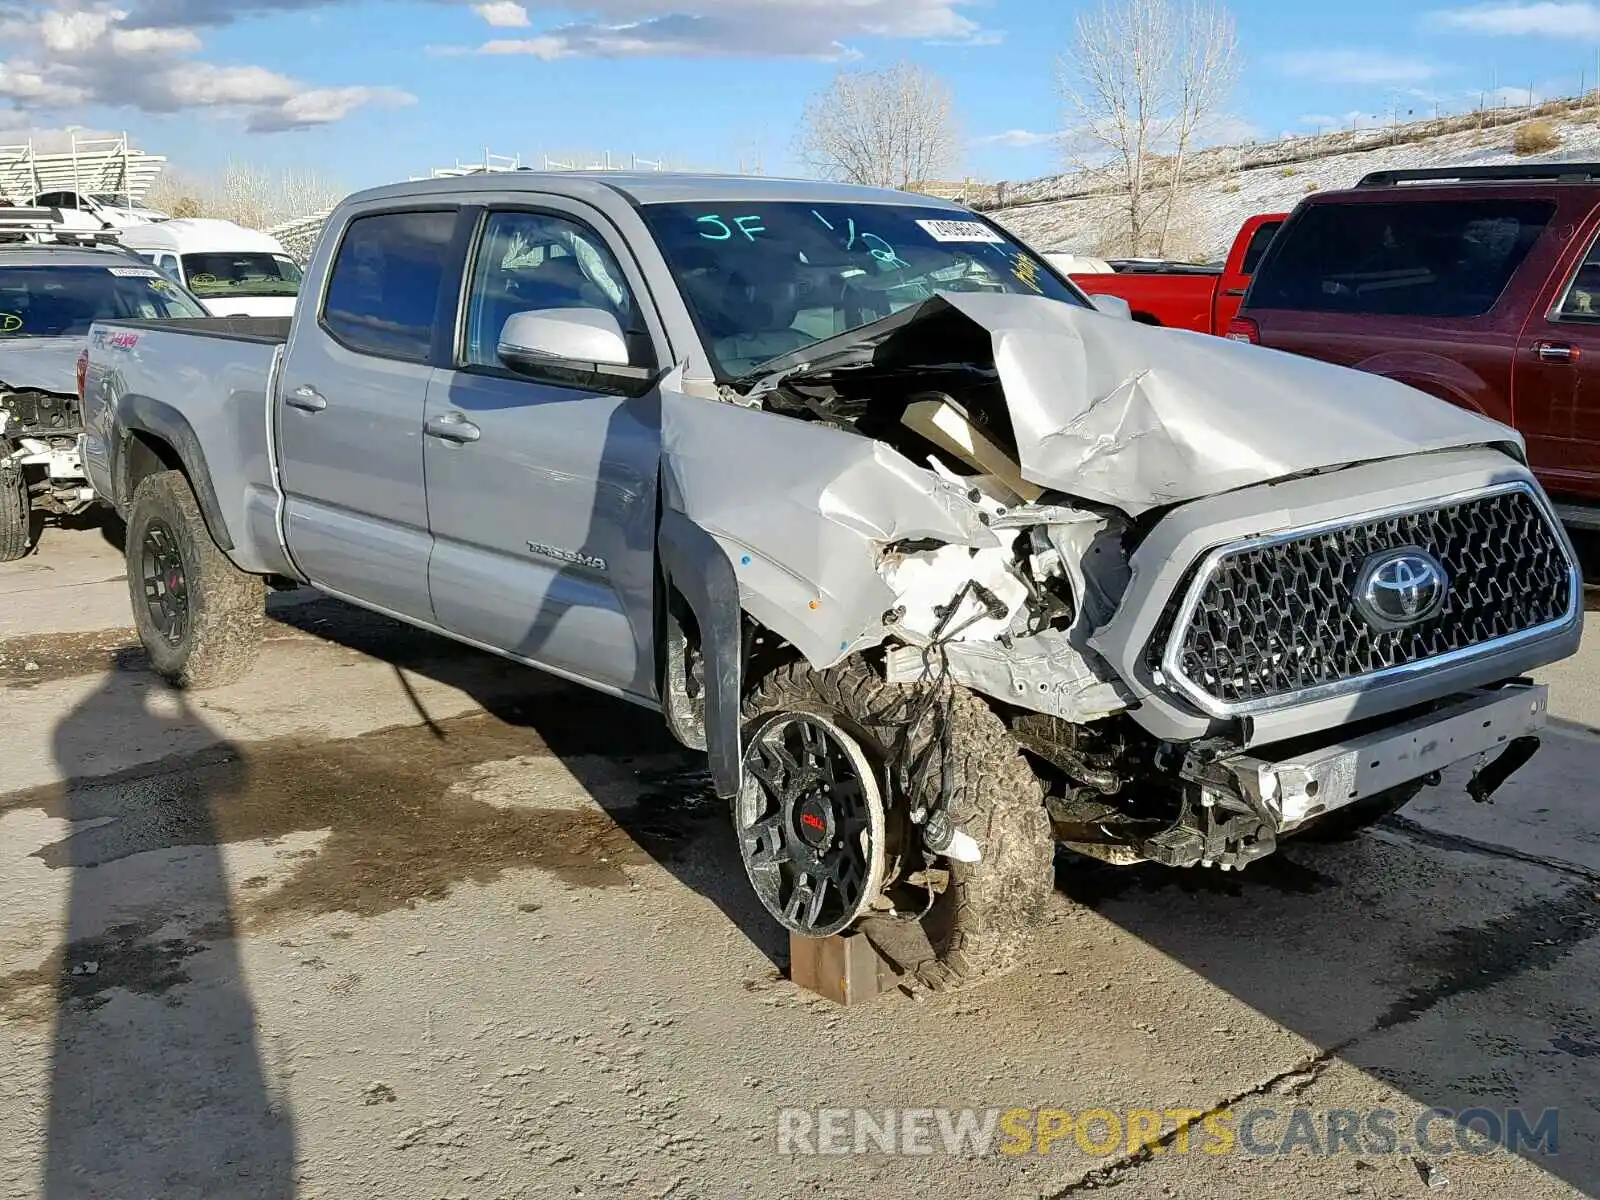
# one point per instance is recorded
(166, 588)
(811, 823)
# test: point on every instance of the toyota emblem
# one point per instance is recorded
(1400, 588)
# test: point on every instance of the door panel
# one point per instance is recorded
(544, 528)
(350, 412)
(1557, 382)
(542, 492)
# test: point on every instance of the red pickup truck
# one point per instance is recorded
(1478, 285)
(1203, 299)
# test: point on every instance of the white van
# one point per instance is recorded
(236, 272)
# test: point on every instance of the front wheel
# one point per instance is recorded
(826, 839)
(199, 616)
(16, 516)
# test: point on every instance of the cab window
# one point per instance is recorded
(383, 292)
(528, 261)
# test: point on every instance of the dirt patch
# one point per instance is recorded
(302, 615)
(403, 829)
(26, 662)
(127, 956)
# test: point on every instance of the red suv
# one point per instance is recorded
(1478, 285)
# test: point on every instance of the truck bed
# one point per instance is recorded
(272, 331)
(1177, 300)
(201, 386)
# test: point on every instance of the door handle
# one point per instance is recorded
(306, 398)
(452, 427)
(1556, 352)
(1232, 292)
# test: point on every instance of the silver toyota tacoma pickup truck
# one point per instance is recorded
(942, 566)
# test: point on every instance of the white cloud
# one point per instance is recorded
(1017, 138)
(503, 14)
(1356, 67)
(817, 29)
(56, 60)
(1552, 18)
(324, 106)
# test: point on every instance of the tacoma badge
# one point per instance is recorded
(576, 557)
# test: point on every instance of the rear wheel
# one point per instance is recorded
(823, 830)
(16, 517)
(199, 617)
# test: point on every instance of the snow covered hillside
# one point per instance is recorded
(1228, 184)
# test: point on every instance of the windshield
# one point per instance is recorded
(241, 275)
(63, 301)
(763, 280)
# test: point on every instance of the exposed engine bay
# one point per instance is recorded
(39, 436)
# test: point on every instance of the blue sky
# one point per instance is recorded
(371, 91)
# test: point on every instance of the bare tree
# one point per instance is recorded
(894, 127)
(246, 193)
(1142, 81)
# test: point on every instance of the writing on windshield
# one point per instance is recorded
(241, 274)
(65, 301)
(764, 280)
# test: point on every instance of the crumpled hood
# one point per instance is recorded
(43, 364)
(1140, 417)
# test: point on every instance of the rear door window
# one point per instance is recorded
(1260, 240)
(1447, 258)
(1581, 300)
(383, 292)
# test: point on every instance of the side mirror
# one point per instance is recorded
(580, 347)
(588, 335)
(1113, 306)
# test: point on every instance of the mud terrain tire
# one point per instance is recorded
(978, 924)
(16, 517)
(199, 617)
(1343, 824)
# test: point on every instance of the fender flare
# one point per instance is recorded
(696, 568)
(142, 414)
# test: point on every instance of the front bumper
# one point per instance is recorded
(1294, 790)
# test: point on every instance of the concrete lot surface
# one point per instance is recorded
(391, 918)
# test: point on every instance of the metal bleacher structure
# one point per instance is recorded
(89, 166)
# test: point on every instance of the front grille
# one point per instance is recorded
(1279, 619)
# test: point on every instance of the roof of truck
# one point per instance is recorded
(659, 187)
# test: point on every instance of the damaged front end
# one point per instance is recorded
(39, 449)
(1018, 497)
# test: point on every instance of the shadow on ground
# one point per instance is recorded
(1458, 981)
(157, 1085)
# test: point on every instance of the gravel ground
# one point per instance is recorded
(393, 918)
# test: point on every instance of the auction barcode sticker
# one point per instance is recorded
(135, 272)
(961, 231)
